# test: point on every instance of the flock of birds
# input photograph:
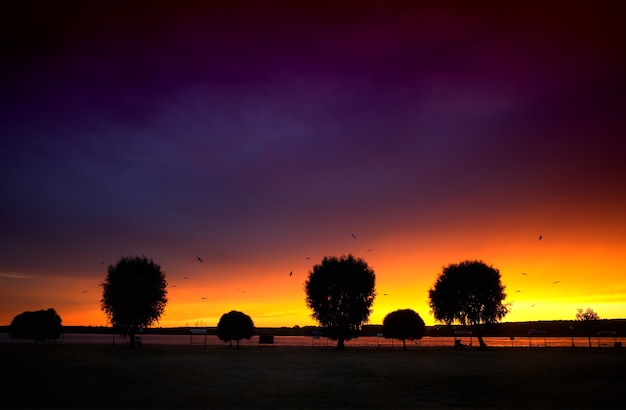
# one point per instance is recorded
(199, 259)
(526, 274)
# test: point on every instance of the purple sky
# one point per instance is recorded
(238, 129)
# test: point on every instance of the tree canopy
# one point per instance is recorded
(40, 325)
(470, 293)
(403, 324)
(235, 325)
(584, 315)
(340, 292)
(134, 295)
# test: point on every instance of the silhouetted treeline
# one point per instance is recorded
(554, 328)
(558, 328)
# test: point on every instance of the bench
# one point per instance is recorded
(193, 332)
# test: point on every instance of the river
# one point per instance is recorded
(364, 341)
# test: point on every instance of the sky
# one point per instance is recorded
(261, 135)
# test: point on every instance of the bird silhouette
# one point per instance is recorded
(290, 273)
(200, 259)
(555, 282)
(524, 273)
(203, 298)
(84, 291)
(308, 257)
(540, 236)
(173, 286)
(370, 249)
(185, 277)
(354, 236)
(533, 305)
(517, 291)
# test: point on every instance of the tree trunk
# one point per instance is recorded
(237, 343)
(479, 336)
(481, 342)
(340, 345)
(403, 344)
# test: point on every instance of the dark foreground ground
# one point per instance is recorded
(182, 377)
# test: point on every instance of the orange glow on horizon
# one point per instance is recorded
(586, 275)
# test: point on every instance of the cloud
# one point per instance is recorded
(14, 275)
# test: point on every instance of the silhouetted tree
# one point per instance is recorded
(403, 324)
(134, 295)
(471, 293)
(588, 320)
(39, 326)
(340, 292)
(235, 325)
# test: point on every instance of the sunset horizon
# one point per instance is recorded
(192, 305)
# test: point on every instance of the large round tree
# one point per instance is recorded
(235, 325)
(134, 295)
(469, 293)
(340, 292)
(403, 324)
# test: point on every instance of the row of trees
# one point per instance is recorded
(402, 324)
(340, 292)
(135, 294)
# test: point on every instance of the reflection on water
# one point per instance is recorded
(365, 341)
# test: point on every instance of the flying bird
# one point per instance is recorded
(290, 273)
(200, 259)
(540, 237)
(517, 291)
(533, 305)
(354, 236)
(203, 298)
(185, 277)
(370, 249)
(524, 273)
(555, 282)
(173, 286)
(84, 291)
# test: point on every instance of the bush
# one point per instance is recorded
(403, 324)
(41, 325)
(235, 325)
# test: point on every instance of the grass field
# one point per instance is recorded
(161, 376)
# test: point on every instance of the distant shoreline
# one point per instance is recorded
(517, 329)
